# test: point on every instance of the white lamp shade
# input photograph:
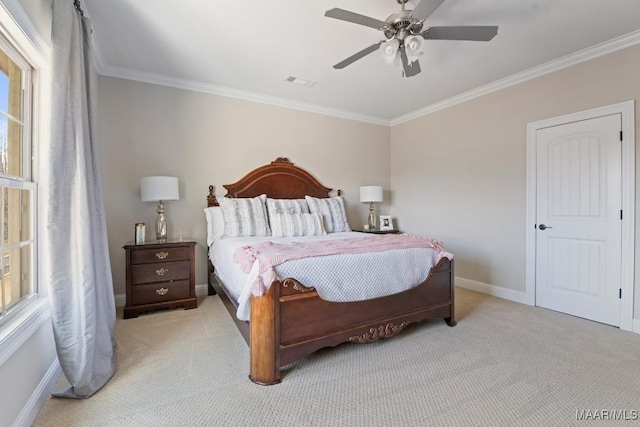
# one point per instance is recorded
(389, 51)
(413, 46)
(370, 193)
(155, 188)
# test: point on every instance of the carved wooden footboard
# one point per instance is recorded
(291, 321)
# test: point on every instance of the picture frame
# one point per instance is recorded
(139, 233)
(386, 223)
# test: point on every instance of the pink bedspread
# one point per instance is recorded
(270, 254)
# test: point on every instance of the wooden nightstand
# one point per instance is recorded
(160, 275)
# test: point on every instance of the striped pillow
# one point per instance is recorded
(293, 225)
(245, 217)
(332, 212)
(290, 206)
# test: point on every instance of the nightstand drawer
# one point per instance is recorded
(160, 272)
(160, 275)
(142, 256)
(160, 292)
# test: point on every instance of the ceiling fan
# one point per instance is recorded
(406, 33)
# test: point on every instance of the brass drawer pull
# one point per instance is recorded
(162, 291)
(162, 255)
(162, 271)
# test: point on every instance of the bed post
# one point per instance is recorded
(265, 337)
(211, 197)
(211, 201)
(451, 320)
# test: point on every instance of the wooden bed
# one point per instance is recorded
(291, 321)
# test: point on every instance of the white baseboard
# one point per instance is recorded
(120, 299)
(201, 290)
(496, 291)
(40, 395)
(510, 294)
(484, 288)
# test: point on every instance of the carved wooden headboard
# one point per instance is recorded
(278, 180)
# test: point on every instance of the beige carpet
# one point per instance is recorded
(504, 364)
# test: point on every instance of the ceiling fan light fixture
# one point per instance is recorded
(413, 46)
(389, 51)
(406, 33)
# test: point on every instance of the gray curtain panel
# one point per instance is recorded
(81, 287)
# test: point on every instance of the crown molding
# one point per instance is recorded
(587, 54)
(196, 86)
(578, 57)
(22, 23)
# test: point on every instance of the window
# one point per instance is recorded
(17, 189)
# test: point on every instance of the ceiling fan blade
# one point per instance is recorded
(473, 33)
(356, 18)
(425, 8)
(353, 58)
(412, 69)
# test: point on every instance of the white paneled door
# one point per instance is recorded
(578, 218)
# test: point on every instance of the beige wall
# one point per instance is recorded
(204, 139)
(457, 174)
(39, 12)
(460, 174)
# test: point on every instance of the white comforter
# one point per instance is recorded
(339, 278)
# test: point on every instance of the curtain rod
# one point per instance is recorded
(78, 7)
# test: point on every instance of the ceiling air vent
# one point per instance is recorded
(300, 82)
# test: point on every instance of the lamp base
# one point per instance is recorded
(161, 223)
(372, 217)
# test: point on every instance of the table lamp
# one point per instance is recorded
(371, 194)
(159, 189)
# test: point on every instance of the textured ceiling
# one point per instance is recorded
(248, 49)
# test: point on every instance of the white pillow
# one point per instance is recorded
(292, 225)
(290, 206)
(215, 223)
(245, 217)
(332, 212)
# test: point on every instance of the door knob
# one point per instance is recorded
(543, 227)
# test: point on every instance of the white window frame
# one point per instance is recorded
(20, 34)
(25, 181)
